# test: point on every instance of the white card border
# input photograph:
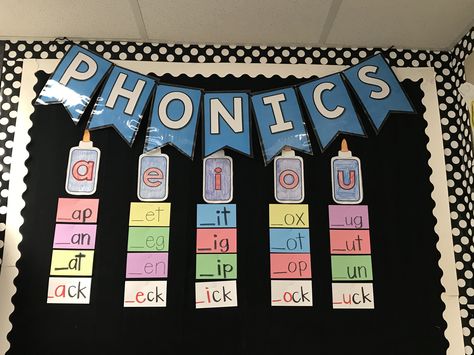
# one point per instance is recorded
(220, 155)
(153, 154)
(275, 195)
(96, 172)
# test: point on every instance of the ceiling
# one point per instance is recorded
(422, 24)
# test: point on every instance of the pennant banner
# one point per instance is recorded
(125, 96)
(330, 109)
(280, 122)
(121, 103)
(378, 89)
(75, 81)
(226, 122)
(173, 119)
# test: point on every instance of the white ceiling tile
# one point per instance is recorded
(436, 24)
(58, 18)
(269, 22)
(432, 24)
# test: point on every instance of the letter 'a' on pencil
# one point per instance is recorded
(83, 167)
(346, 177)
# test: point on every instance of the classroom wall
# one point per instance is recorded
(454, 116)
(469, 65)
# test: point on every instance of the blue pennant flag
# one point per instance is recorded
(174, 118)
(378, 89)
(121, 103)
(226, 122)
(280, 122)
(75, 81)
(330, 108)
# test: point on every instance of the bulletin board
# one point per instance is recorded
(404, 186)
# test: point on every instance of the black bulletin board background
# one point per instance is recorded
(408, 315)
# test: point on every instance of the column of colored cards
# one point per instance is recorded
(216, 256)
(147, 254)
(290, 257)
(351, 262)
(350, 257)
(73, 251)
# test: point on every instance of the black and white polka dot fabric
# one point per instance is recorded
(449, 67)
(458, 153)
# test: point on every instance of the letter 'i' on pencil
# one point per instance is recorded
(83, 167)
(346, 177)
